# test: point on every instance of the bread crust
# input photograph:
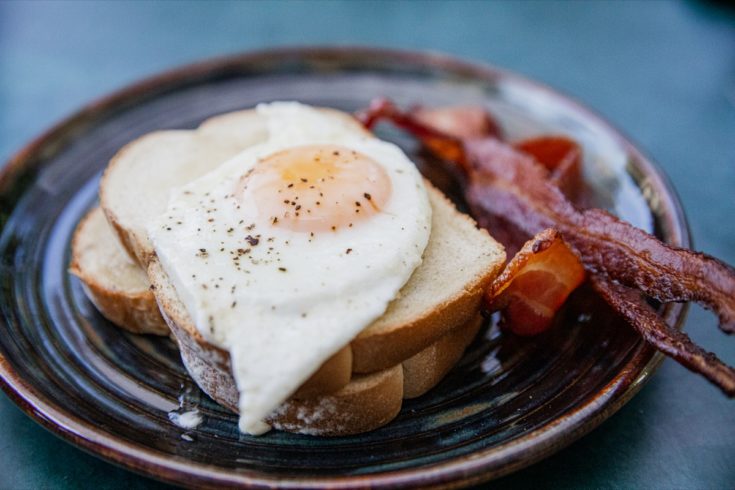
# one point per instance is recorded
(426, 369)
(131, 242)
(134, 310)
(366, 403)
(375, 351)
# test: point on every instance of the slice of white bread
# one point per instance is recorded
(114, 283)
(156, 162)
(458, 263)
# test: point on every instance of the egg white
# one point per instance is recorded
(297, 298)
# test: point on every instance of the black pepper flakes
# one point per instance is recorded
(253, 241)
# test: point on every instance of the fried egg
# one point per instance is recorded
(284, 253)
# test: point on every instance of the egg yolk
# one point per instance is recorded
(317, 188)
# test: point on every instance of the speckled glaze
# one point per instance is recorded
(509, 402)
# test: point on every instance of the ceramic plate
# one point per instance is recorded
(507, 404)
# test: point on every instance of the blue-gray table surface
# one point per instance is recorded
(663, 72)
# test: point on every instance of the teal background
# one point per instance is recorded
(663, 72)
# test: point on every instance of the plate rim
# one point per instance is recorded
(459, 471)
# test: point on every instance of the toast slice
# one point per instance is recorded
(114, 283)
(444, 293)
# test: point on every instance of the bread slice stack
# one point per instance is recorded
(403, 354)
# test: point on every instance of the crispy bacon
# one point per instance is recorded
(504, 186)
(510, 184)
(535, 284)
(503, 182)
(562, 157)
(632, 306)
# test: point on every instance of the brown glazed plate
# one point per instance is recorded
(507, 404)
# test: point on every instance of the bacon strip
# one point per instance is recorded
(535, 284)
(609, 246)
(511, 190)
(562, 157)
(633, 307)
(502, 182)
